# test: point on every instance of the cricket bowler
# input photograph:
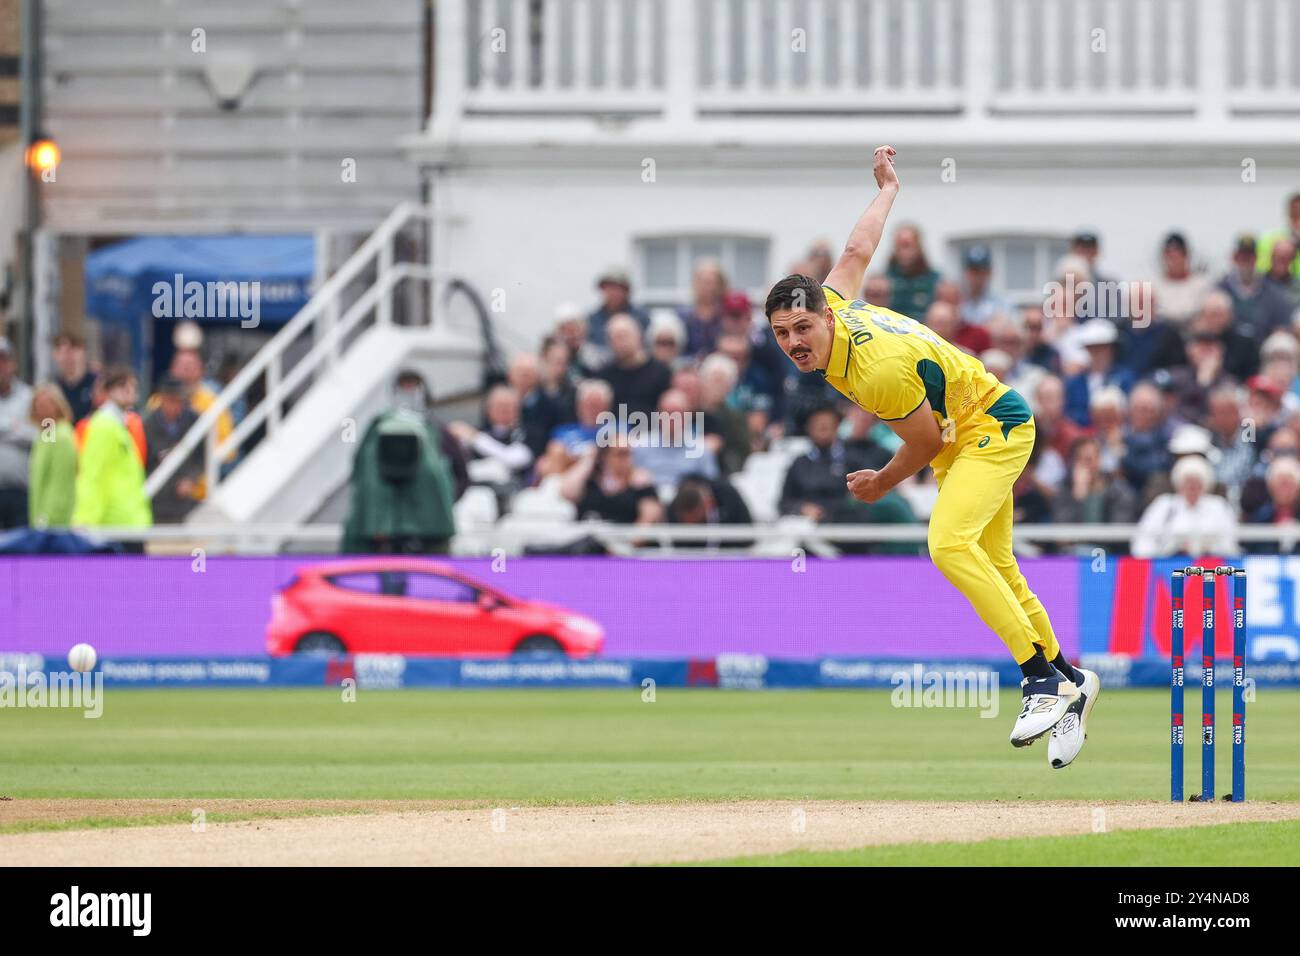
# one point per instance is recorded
(976, 433)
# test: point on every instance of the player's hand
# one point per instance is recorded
(883, 167)
(865, 485)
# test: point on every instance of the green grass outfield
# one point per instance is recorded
(533, 747)
(1231, 844)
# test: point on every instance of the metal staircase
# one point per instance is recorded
(326, 374)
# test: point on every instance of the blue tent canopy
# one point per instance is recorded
(133, 283)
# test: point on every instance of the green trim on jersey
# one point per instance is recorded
(1010, 410)
(936, 385)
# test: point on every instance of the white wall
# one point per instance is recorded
(543, 233)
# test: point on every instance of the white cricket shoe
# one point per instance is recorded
(1046, 701)
(1068, 736)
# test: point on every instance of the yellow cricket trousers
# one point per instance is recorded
(970, 527)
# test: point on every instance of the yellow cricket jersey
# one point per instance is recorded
(889, 364)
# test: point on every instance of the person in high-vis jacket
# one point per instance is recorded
(110, 476)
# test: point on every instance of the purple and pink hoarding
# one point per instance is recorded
(851, 607)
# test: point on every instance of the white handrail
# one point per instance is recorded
(323, 305)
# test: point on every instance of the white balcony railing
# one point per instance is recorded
(681, 60)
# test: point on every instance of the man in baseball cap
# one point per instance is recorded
(615, 286)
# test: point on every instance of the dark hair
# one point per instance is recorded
(795, 292)
(409, 376)
(116, 375)
(69, 338)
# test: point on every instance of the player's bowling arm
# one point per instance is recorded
(846, 277)
(922, 441)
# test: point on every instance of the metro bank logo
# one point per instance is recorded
(1128, 608)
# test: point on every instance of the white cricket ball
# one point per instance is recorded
(81, 658)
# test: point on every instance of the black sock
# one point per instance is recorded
(1037, 666)
(1062, 665)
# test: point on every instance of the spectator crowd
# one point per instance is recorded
(1171, 402)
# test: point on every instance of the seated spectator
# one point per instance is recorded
(1268, 256)
(110, 475)
(1097, 337)
(1054, 429)
(637, 378)
(412, 393)
(1281, 275)
(700, 501)
(16, 436)
(615, 289)
(667, 337)
(570, 441)
(1190, 520)
(1236, 455)
(1009, 338)
(502, 439)
(979, 304)
(73, 375)
(1107, 409)
(911, 279)
(726, 430)
(687, 381)
(1203, 374)
(1148, 343)
(878, 290)
(1240, 350)
(862, 428)
(708, 286)
(164, 427)
(1187, 439)
(545, 395)
(604, 484)
(52, 478)
(764, 353)
(756, 394)
(815, 482)
(1146, 440)
(1178, 290)
(675, 445)
(1038, 350)
(1282, 508)
(585, 356)
(943, 319)
(1093, 496)
(1064, 309)
(1086, 246)
(1256, 304)
(1264, 406)
(1279, 357)
(1282, 443)
(997, 363)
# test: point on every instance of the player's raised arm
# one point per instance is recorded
(846, 277)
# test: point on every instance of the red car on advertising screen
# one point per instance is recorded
(418, 607)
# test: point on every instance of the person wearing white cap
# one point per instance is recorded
(1098, 338)
(1190, 520)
